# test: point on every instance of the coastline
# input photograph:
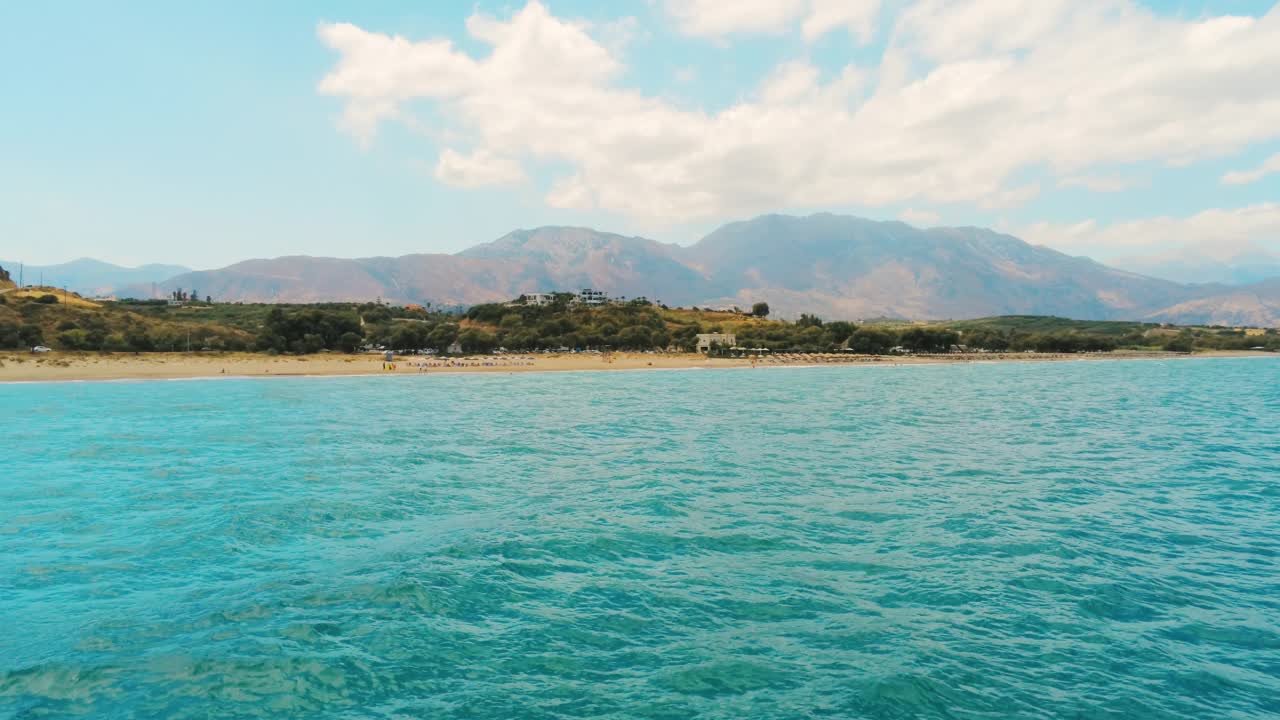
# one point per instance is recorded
(55, 367)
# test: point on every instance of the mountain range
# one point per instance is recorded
(94, 277)
(832, 265)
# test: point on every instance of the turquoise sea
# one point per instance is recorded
(1065, 540)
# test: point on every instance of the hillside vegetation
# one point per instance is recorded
(72, 324)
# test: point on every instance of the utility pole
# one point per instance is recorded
(21, 275)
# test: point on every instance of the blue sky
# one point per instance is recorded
(206, 133)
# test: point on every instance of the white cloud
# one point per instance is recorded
(571, 193)
(717, 18)
(971, 100)
(1244, 177)
(789, 82)
(1223, 228)
(714, 18)
(919, 218)
(1010, 197)
(857, 16)
(619, 34)
(478, 169)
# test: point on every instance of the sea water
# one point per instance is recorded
(1091, 539)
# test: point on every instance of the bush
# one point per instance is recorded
(350, 342)
(47, 299)
(636, 337)
(872, 341)
(138, 340)
(74, 340)
(31, 335)
(116, 342)
(307, 331)
(476, 341)
(929, 340)
(10, 335)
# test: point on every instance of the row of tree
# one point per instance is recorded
(92, 335)
(623, 326)
(181, 295)
(639, 326)
(562, 324)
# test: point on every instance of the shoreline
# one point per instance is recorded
(103, 367)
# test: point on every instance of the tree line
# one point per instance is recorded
(148, 326)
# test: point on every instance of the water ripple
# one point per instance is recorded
(992, 541)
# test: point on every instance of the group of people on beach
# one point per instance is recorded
(808, 358)
(504, 362)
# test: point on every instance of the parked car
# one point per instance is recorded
(41, 349)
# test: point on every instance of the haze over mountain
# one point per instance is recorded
(836, 266)
(1219, 263)
(94, 277)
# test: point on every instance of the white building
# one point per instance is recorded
(706, 340)
(537, 299)
(592, 297)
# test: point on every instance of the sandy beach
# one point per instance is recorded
(26, 367)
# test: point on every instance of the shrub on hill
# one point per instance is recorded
(307, 331)
(10, 335)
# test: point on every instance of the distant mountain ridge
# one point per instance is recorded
(95, 277)
(575, 258)
(862, 268)
(835, 266)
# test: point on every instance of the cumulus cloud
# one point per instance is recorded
(723, 17)
(971, 99)
(571, 193)
(1217, 227)
(857, 16)
(1244, 177)
(717, 18)
(478, 169)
